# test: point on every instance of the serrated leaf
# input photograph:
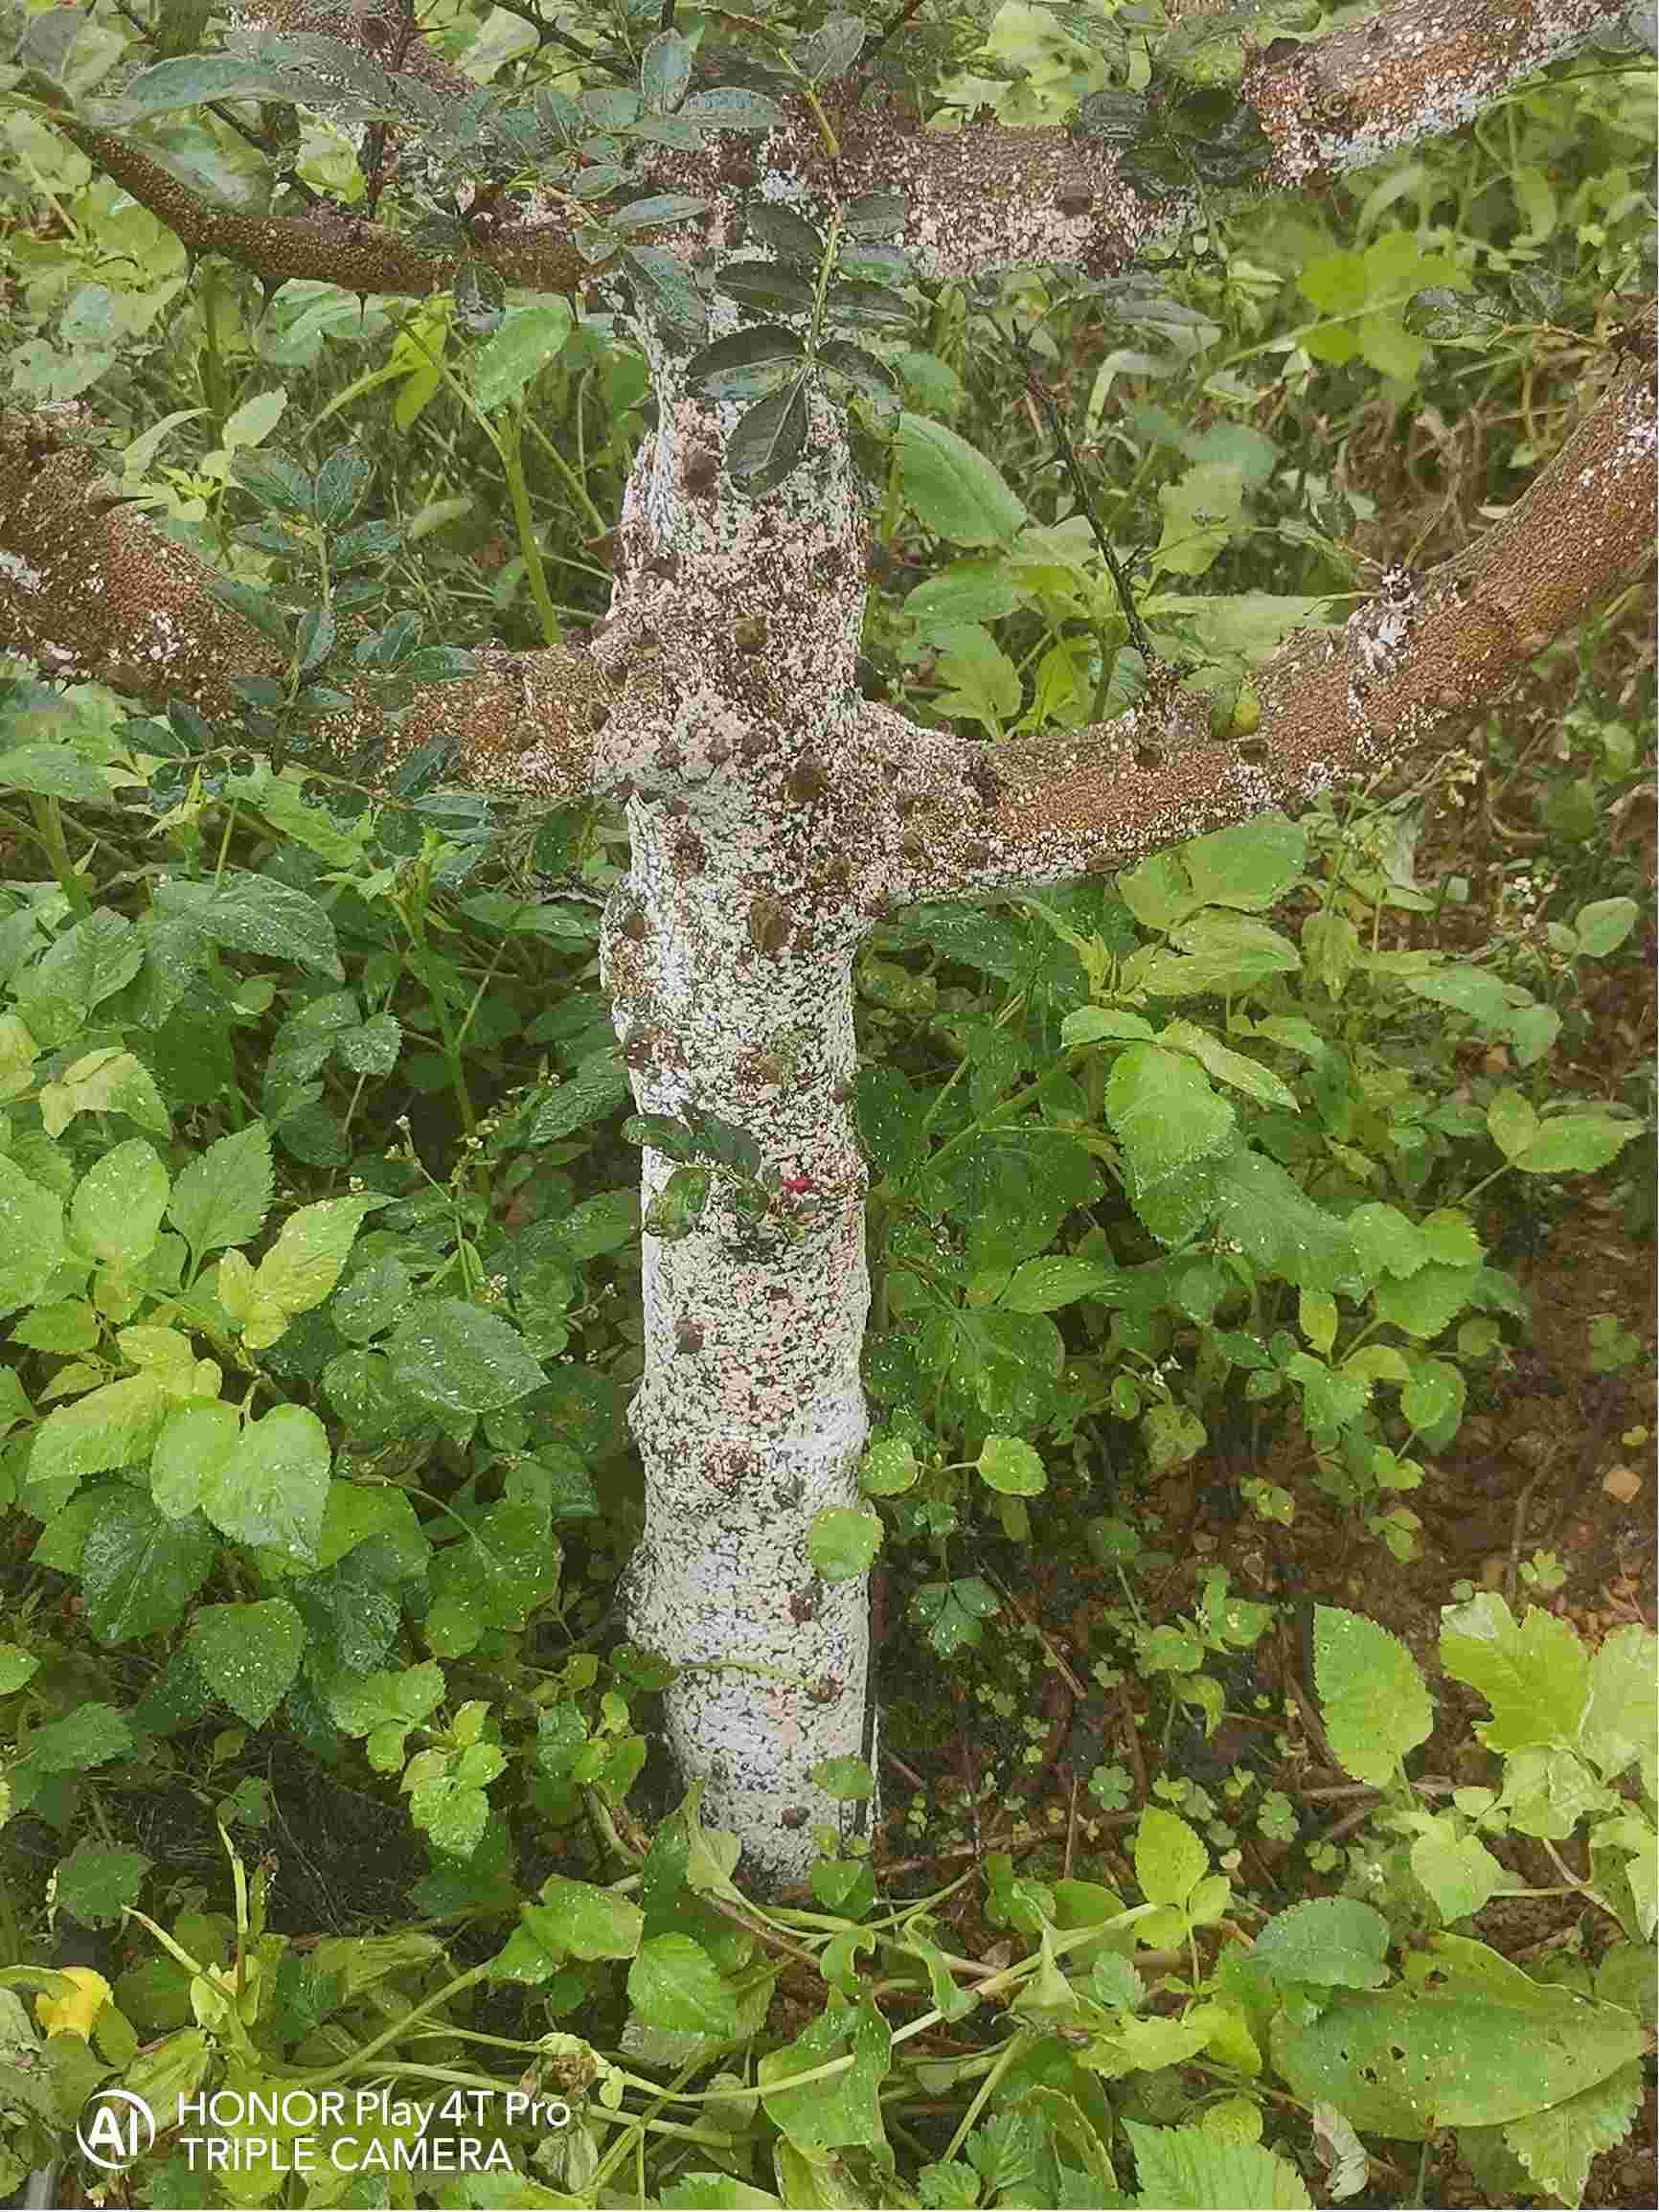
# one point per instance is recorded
(1372, 1697)
(249, 1656)
(1170, 1860)
(31, 1237)
(1335, 1942)
(224, 1193)
(450, 1353)
(586, 1921)
(139, 1569)
(675, 1984)
(1175, 1135)
(1011, 1466)
(1192, 2168)
(272, 1487)
(842, 1542)
(1558, 2145)
(1535, 1674)
(116, 1211)
(1465, 2040)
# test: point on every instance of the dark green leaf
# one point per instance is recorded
(748, 364)
(670, 288)
(768, 442)
(873, 305)
(765, 285)
(770, 223)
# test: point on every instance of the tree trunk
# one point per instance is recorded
(728, 952)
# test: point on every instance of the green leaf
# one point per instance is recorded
(1465, 2040)
(1170, 1859)
(842, 1542)
(874, 379)
(271, 1489)
(1189, 2167)
(1576, 1144)
(98, 1882)
(139, 1569)
(669, 289)
(733, 108)
(1534, 1674)
(384, 1706)
(1511, 1121)
(1233, 1068)
(55, 772)
(501, 1567)
(222, 1197)
(1175, 1133)
(1558, 2145)
(84, 1739)
(889, 1467)
(679, 1206)
(450, 1353)
(115, 1214)
(767, 287)
(1335, 1942)
(768, 442)
(953, 1614)
(846, 1779)
(871, 306)
(748, 364)
(845, 2110)
(1374, 1705)
(1622, 1723)
(1173, 1434)
(789, 235)
(257, 914)
(31, 1237)
(1043, 1286)
(1601, 928)
(665, 72)
(675, 1984)
(531, 337)
(115, 1426)
(248, 1654)
(1458, 1871)
(586, 1921)
(954, 489)
(191, 1452)
(1011, 1466)
(1427, 1302)
(1201, 511)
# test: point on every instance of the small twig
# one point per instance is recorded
(1065, 1673)
(1055, 421)
(1311, 1723)
(898, 1766)
(1517, 1533)
(888, 31)
(1132, 1740)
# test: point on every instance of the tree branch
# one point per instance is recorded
(987, 197)
(1404, 673)
(89, 588)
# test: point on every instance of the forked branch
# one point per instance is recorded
(1403, 675)
(89, 587)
